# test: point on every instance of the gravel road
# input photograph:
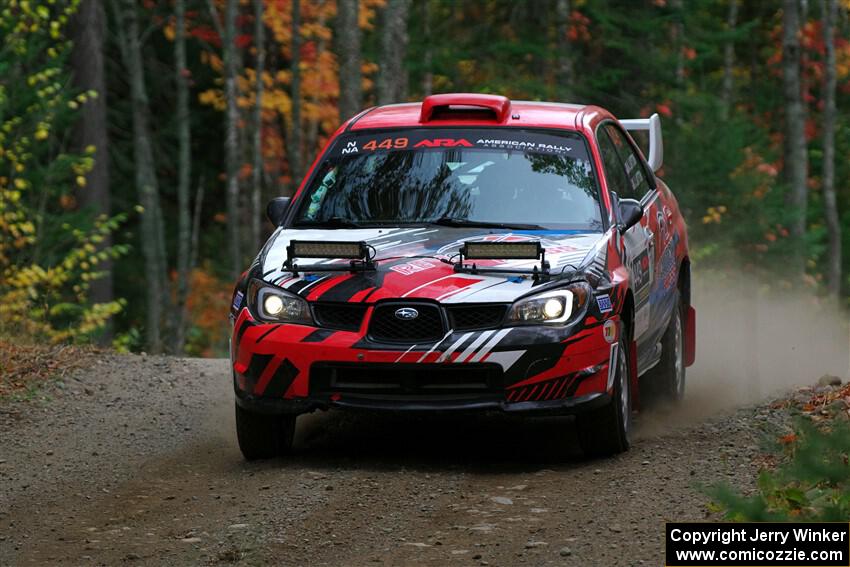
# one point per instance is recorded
(135, 462)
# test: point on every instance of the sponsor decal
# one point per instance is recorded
(237, 300)
(604, 303)
(642, 274)
(508, 139)
(443, 143)
(609, 331)
(662, 227)
(667, 272)
(412, 267)
(527, 145)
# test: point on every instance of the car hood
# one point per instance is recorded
(414, 263)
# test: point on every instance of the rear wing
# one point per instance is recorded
(656, 145)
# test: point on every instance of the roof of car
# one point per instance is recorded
(471, 110)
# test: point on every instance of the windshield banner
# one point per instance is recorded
(566, 144)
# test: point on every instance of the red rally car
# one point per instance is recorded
(468, 253)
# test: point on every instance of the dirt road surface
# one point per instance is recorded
(135, 462)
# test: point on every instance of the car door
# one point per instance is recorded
(641, 240)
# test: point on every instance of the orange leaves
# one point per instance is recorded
(788, 439)
(210, 298)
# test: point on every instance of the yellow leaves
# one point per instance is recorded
(41, 134)
(81, 181)
(214, 98)
(714, 215)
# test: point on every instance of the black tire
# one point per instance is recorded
(666, 382)
(263, 436)
(604, 431)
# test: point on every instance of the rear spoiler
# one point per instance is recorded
(656, 145)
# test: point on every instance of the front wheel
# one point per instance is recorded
(263, 436)
(604, 431)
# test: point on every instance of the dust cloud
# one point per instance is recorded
(753, 342)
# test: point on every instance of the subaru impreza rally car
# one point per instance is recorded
(468, 253)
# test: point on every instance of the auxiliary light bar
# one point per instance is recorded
(501, 250)
(325, 249)
(356, 252)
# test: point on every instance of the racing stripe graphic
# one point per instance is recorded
(404, 353)
(433, 348)
(472, 346)
(454, 347)
(491, 344)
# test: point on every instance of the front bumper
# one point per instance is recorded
(280, 368)
(570, 406)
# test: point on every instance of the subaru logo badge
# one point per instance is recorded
(406, 313)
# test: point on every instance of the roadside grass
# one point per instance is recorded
(26, 368)
(807, 476)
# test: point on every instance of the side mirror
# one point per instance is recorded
(276, 210)
(631, 212)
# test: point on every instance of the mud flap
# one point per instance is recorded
(690, 336)
(634, 375)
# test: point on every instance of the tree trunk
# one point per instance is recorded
(564, 60)
(833, 225)
(295, 137)
(348, 48)
(260, 68)
(152, 233)
(729, 59)
(87, 63)
(795, 116)
(394, 38)
(231, 142)
(312, 135)
(184, 174)
(679, 41)
(427, 59)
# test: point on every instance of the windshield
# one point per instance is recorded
(502, 178)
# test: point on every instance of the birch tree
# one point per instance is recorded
(729, 59)
(257, 170)
(392, 81)
(795, 168)
(231, 142)
(152, 230)
(348, 48)
(91, 130)
(564, 60)
(830, 14)
(295, 136)
(184, 173)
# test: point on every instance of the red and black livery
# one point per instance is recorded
(468, 253)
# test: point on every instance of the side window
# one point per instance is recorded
(614, 173)
(638, 183)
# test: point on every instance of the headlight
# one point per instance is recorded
(276, 305)
(551, 307)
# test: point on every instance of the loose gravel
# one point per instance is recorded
(134, 461)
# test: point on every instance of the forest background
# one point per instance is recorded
(141, 140)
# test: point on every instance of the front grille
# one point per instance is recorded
(386, 327)
(419, 382)
(342, 316)
(467, 318)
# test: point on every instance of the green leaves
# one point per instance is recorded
(811, 484)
